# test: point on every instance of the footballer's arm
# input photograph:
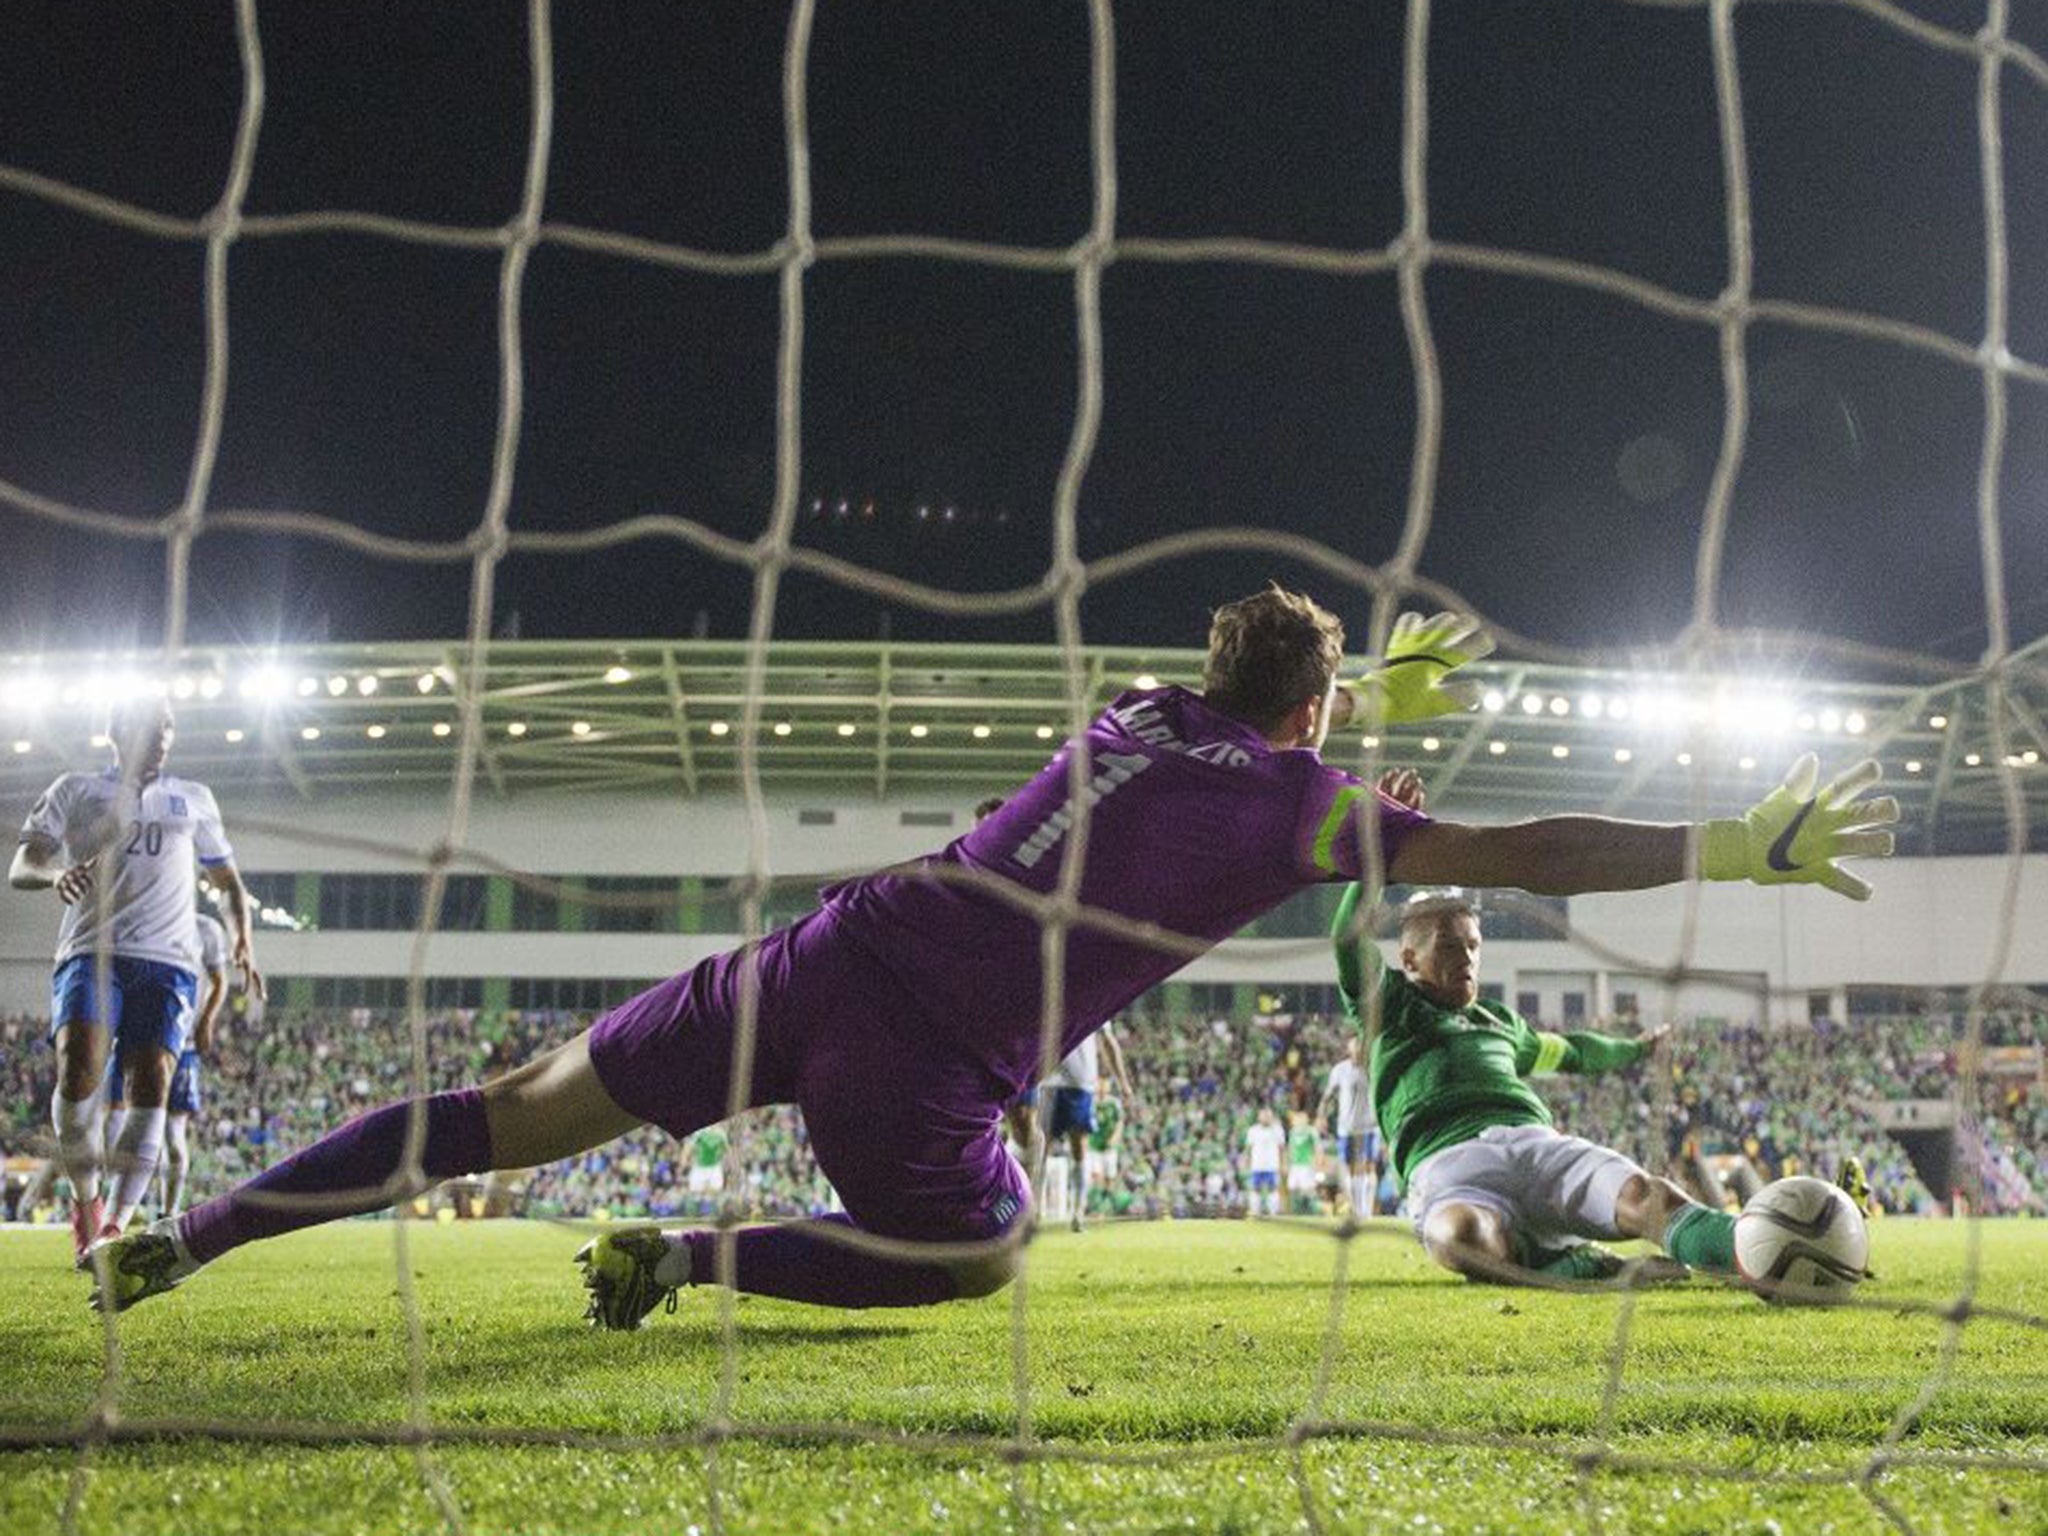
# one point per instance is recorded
(35, 866)
(228, 881)
(1551, 856)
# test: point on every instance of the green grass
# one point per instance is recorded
(1165, 1362)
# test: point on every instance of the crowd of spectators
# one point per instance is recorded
(1786, 1099)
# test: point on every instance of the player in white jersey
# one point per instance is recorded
(1358, 1135)
(1068, 1102)
(119, 848)
(1264, 1140)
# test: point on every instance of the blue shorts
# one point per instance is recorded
(1362, 1148)
(1265, 1178)
(148, 1004)
(184, 1096)
(1073, 1109)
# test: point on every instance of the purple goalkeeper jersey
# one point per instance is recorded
(1197, 825)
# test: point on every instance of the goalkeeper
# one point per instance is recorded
(904, 1013)
(1494, 1191)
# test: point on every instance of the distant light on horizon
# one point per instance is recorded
(1144, 680)
(618, 674)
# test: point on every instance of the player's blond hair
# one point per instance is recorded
(1270, 652)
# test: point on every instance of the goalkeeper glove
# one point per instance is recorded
(1794, 835)
(1409, 684)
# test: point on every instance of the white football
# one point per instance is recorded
(1801, 1239)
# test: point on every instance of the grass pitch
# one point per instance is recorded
(1166, 1364)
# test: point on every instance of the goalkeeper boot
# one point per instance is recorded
(134, 1268)
(619, 1272)
(1853, 1182)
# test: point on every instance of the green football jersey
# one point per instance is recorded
(707, 1148)
(1109, 1115)
(1301, 1146)
(1442, 1075)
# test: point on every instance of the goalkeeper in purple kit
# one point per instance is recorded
(902, 1015)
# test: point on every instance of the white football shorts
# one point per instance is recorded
(1548, 1187)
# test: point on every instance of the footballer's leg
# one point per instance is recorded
(177, 1161)
(1471, 1240)
(1077, 1176)
(75, 1115)
(551, 1108)
(1658, 1210)
(146, 1071)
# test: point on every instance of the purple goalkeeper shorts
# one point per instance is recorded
(905, 1126)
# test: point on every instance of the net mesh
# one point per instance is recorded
(2002, 63)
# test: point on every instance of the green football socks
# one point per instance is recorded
(1702, 1238)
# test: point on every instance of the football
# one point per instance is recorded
(1801, 1240)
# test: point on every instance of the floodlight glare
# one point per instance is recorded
(618, 674)
(1430, 743)
(1144, 680)
(209, 687)
(981, 733)
(308, 686)
(1854, 723)
(1560, 751)
(719, 727)
(310, 733)
(442, 727)
(1493, 701)
(375, 732)
(782, 727)
(579, 728)
(1560, 705)
(1937, 722)
(1592, 706)
(1622, 754)
(424, 682)
(337, 685)
(183, 687)
(1497, 748)
(1531, 705)
(366, 684)
(846, 727)
(516, 728)
(234, 735)
(1043, 733)
(919, 732)
(1830, 721)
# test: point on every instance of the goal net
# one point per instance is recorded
(773, 556)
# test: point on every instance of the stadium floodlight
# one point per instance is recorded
(1805, 720)
(309, 733)
(1368, 742)
(1855, 723)
(1560, 705)
(1622, 754)
(919, 732)
(266, 683)
(616, 674)
(1592, 706)
(516, 728)
(23, 746)
(719, 727)
(102, 739)
(579, 728)
(27, 692)
(1497, 748)
(1937, 722)
(846, 728)
(182, 687)
(424, 682)
(337, 685)
(981, 732)
(1685, 759)
(234, 734)
(1912, 765)
(1746, 764)
(308, 686)
(210, 686)
(1430, 743)
(366, 684)
(374, 732)
(1618, 709)
(1144, 680)
(1493, 701)
(1043, 733)
(1531, 705)
(1830, 721)
(783, 727)
(1560, 751)
(442, 728)
(1972, 760)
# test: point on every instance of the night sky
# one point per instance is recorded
(1580, 430)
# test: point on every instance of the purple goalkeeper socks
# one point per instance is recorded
(350, 1169)
(797, 1264)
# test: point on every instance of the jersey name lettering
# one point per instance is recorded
(1112, 769)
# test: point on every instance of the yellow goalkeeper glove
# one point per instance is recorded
(1409, 684)
(1794, 835)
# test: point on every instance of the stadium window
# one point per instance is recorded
(1575, 1008)
(535, 912)
(1529, 1005)
(463, 903)
(655, 908)
(1626, 1006)
(370, 903)
(925, 819)
(270, 889)
(1492, 992)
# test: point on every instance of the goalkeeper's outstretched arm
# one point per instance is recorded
(1797, 834)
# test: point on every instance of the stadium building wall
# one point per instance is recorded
(1933, 924)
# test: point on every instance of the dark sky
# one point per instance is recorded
(1580, 430)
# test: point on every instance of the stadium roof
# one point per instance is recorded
(884, 718)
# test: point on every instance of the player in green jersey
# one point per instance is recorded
(1496, 1192)
(707, 1168)
(1304, 1149)
(1105, 1143)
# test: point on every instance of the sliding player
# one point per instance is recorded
(1496, 1192)
(119, 848)
(1203, 811)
